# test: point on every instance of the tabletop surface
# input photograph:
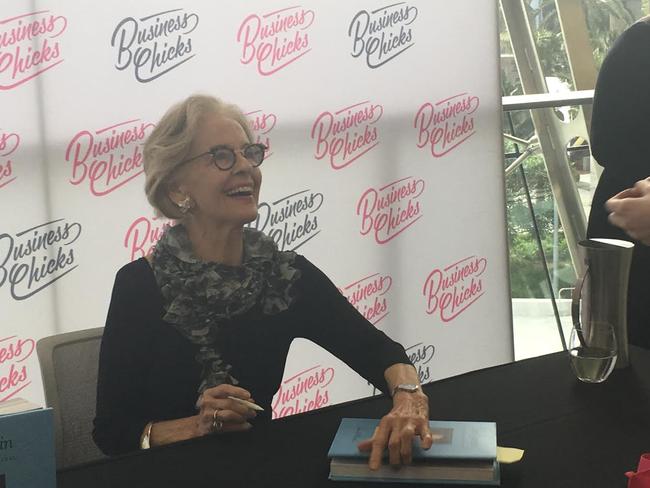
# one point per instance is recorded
(574, 434)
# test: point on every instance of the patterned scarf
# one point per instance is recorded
(199, 296)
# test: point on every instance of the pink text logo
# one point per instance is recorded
(29, 46)
(452, 290)
(156, 44)
(290, 221)
(344, 136)
(382, 34)
(274, 40)
(143, 234)
(388, 211)
(9, 142)
(262, 124)
(13, 372)
(368, 295)
(35, 258)
(107, 158)
(302, 392)
(446, 124)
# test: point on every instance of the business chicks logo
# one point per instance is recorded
(263, 124)
(369, 296)
(381, 35)
(305, 391)
(29, 46)
(9, 142)
(14, 376)
(274, 40)
(451, 290)
(446, 124)
(290, 221)
(420, 356)
(156, 44)
(343, 136)
(106, 159)
(143, 234)
(35, 258)
(388, 211)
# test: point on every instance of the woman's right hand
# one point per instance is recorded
(218, 413)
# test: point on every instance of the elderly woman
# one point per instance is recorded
(207, 320)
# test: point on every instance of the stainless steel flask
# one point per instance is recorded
(602, 289)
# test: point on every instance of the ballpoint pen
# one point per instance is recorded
(246, 403)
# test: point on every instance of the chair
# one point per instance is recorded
(69, 370)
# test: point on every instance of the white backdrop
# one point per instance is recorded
(383, 121)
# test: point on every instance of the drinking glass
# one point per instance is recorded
(593, 351)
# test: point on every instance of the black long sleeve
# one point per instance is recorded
(121, 414)
(338, 327)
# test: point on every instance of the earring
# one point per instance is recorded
(185, 205)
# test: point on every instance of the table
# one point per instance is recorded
(574, 434)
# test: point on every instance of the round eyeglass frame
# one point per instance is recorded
(233, 157)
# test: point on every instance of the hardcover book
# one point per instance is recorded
(27, 457)
(462, 452)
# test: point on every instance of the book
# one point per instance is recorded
(27, 458)
(17, 405)
(464, 452)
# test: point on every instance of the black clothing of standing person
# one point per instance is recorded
(620, 136)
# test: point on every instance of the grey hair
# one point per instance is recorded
(170, 142)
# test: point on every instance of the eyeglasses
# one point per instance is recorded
(224, 157)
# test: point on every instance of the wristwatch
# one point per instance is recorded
(409, 388)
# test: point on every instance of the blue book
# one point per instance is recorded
(27, 457)
(463, 452)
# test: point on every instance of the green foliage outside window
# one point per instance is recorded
(606, 19)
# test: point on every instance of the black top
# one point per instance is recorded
(620, 124)
(620, 131)
(147, 369)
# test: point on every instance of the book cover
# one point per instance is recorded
(464, 452)
(460, 440)
(27, 457)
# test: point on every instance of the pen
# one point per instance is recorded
(246, 403)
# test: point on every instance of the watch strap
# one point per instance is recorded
(409, 388)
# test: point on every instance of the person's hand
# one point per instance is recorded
(630, 210)
(408, 418)
(218, 413)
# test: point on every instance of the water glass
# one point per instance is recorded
(593, 351)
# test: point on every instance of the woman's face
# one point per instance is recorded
(221, 197)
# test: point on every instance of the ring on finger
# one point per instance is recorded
(217, 423)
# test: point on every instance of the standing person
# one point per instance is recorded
(208, 318)
(620, 137)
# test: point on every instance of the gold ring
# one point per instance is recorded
(217, 423)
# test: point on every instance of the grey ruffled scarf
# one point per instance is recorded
(199, 296)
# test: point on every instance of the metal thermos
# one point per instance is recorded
(603, 290)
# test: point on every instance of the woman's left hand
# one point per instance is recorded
(630, 210)
(408, 418)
